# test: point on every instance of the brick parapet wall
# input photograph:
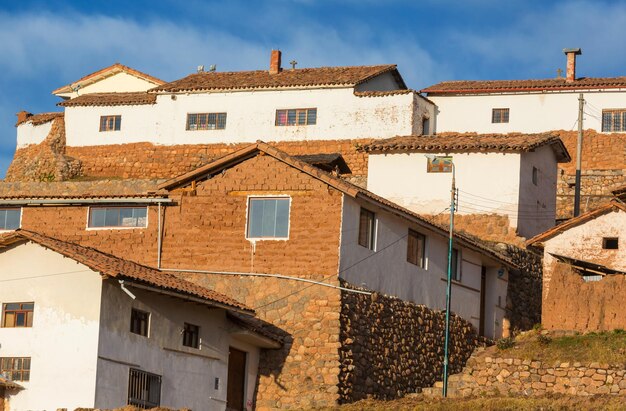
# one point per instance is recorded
(390, 347)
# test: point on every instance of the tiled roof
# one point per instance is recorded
(115, 267)
(619, 191)
(40, 118)
(327, 162)
(470, 142)
(614, 205)
(335, 182)
(382, 93)
(128, 188)
(107, 72)
(6, 383)
(498, 86)
(260, 79)
(110, 99)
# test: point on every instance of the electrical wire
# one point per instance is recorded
(41, 276)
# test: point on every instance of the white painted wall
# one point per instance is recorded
(529, 112)
(188, 374)
(386, 269)
(382, 82)
(250, 116)
(27, 133)
(63, 340)
(118, 83)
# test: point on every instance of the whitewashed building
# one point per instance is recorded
(81, 328)
(530, 106)
(510, 175)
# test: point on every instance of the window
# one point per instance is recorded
(139, 321)
(415, 248)
(110, 123)
(10, 218)
(500, 115)
(455, 266)
(15, 368)
(144, 389)
(206, 121)
(614, 120)
(191, 335)
(17, 314)
(367, 229)
(268, 217)
(118, 217)
(296, 117)
(425, 125)
(610, 243)
(535, 176)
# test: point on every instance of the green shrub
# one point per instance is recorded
(505, 343)
(544, 339)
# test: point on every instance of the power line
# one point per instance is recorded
(41, 276)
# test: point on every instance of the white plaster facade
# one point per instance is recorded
(81, 348)
(119, 82)
(28, 133)
(388, 271)
(529, 112)
(499, 183)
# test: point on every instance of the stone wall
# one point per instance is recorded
(573, 304)
(493, 376)
(390, 347)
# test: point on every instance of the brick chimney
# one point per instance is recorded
(22, 116)
(275, 62)
(570, 74)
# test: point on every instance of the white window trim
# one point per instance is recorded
(114, 227)
(268, 196)
(21, 216)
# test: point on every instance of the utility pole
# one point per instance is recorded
(579, 150)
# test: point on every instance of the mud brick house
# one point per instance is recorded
(548, 105)
(121, 333)
(584, 270)
(513, 176)
(354, 281)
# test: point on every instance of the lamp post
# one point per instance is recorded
(440, 164)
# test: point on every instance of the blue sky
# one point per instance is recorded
(45, 44)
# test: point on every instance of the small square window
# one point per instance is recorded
(500, 115)
(17, 315)
(191, 335)
(10, 218)
(139, 322)
(415, 248)
(610, 243)
(110, 123)
(268, 218)
(367, 229)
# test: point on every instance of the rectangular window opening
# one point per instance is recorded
(415, 248)
(139, 322)
(296, 117)
(455, 266)
(610, 243)
(110, 123)
(614, 120)
(500, 115)
(367, 229)
(17, 315)
(268, 218)
(144, 389)
(191, 335)
(10, 218)
(206, 121)
(15, 368)
(109, 217)
(535, 176)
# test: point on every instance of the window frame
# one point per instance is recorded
(116, 125)
(618, 114)
(28, 320)
(116, 227)
(607, 240)
(535, 176)
(191, 335)
(133, 318)
(140, 378)
(500, 115)
(297, 111)
(369, 232)
(249, 201)
(456, 274)
(207, 117)
(19, 224)
(22, 370)
(417, 235)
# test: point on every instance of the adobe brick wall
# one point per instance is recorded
(487, 227)
(572, 304)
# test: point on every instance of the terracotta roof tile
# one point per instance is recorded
(260, 79)
(106, 72)
(40, 118)
(110, 99)
(115, 267)
(495, 86)
(382, 93)
(6, 383)
(470, 142)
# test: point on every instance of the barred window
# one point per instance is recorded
(296, 117)
(206, 121)
(500, 115)
(110, 123)
(614, 120)
(15, 368)
(144, 389)
(17, 314)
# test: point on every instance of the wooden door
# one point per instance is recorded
(235, 398)
(483, 292)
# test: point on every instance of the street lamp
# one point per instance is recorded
(444, 164)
